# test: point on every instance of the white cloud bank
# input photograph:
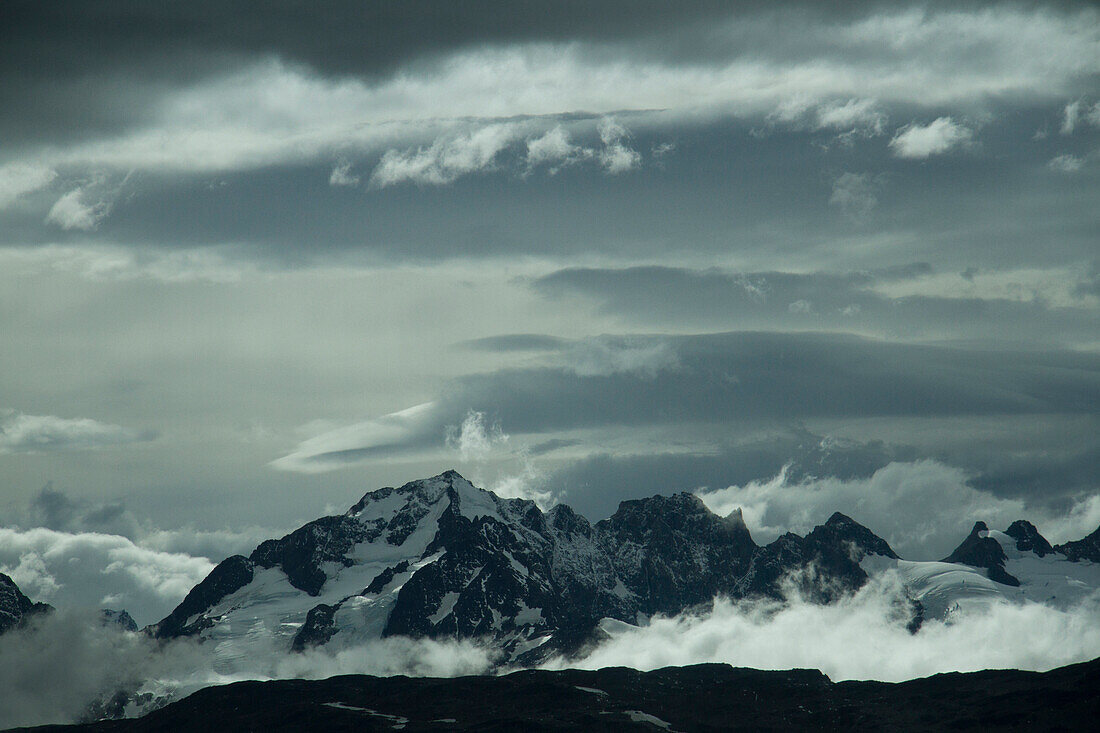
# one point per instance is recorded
(923, 509)
(860, 637)
(89, 570)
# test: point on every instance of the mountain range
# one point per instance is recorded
(440, 557)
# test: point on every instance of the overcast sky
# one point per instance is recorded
(255, 262)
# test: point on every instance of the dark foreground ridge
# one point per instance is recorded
(706, 697)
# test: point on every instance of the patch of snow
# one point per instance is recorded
(527, 615)
(446, 605)
(637, 716)
(620, 590)
(474, 502)
(398, 721)
(527, 645)
(615, 626)
(593, 690)
(1052, 580)
(383, 508)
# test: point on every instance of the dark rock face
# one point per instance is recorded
(708, 697)
(118, 618)
(1028, 538)
(301, 552)
(318, 628)
(16, 608)
(1087, 548)
(231, 574)
(823, 565)
(981, 551)
(842, 532)
(673, 552)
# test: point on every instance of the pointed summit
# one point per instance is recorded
(841, 530)
(979, 550)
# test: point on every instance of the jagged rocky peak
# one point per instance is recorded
(736, 519)
(641, 519)
(840, 530)
(16, 608)
(121, 619)
(979, 550)
(1028, 538)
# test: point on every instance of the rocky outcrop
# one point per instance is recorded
(1087, 548)
(979, 550)
(15, 608)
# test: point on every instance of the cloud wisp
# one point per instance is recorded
(22, 433)
(916, 141)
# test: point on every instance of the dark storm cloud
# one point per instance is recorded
(730, 380)
(785, 376)
(685, 297)
(58, 510)
(73, 69)
(72, 38)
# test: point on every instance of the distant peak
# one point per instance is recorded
(1028, 538)
(979, 526)
(842, 529)
(839, 519)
